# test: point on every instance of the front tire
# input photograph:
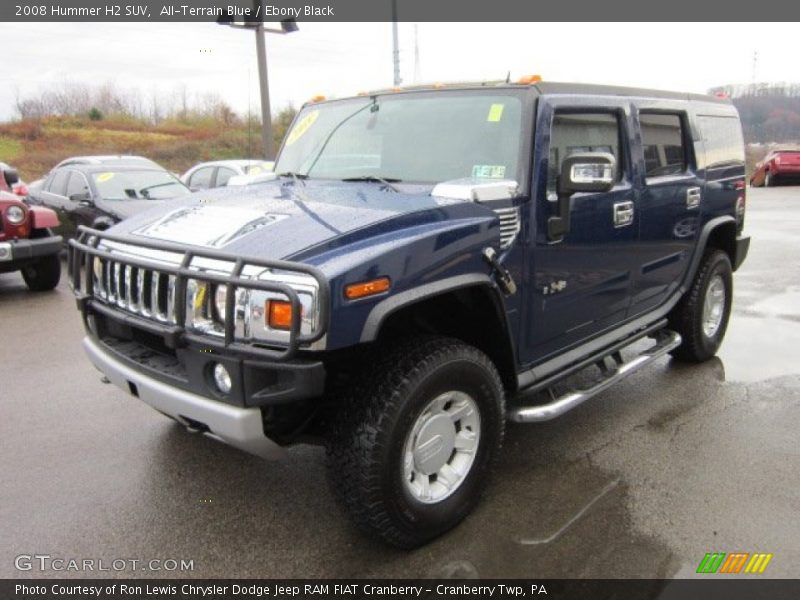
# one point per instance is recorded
(702, 315)
(43, 274)
(769, 180)
(412, 446)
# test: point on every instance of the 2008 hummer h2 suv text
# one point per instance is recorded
(419, 259)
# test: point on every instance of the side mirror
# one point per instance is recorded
(11, 176)
(581, 172)
(83, 198)
(587, 172)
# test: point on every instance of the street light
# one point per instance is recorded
(287, 26)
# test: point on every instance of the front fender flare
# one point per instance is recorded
(383, 309)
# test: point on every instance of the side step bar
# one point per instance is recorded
(665, 340)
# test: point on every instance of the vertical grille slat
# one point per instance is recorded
(171, 298)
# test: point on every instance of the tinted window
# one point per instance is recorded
(582, 132)
(58, 184)
(201, 179)
(77, 184)
(223, 174)
(722, 137)
(663, 140)
(425, 138)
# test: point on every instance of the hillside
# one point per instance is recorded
(34, 145)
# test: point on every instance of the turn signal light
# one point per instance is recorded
(367, 288)
(318, 98)
(279, 314)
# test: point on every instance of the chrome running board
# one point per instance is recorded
(665, 340)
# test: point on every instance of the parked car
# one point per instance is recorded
(27, 243)
(20, 188)
(218, 173)
(424, 261)
(777, 166)
(109, 159)
(99, 195)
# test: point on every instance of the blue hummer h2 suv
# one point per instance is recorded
(418, 265)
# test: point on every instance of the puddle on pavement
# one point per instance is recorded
(761, 348)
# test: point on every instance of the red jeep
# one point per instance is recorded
(26, 242)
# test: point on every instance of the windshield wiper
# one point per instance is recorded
(387, 181)
(295, 176)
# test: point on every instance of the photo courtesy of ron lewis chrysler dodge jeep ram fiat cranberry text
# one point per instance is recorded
(418, 260)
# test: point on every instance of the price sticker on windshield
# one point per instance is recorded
(302, 126)
(495, 113)
(103, 177)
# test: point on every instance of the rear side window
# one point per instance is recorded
(575, 132)
(664, 142)
(722, 137)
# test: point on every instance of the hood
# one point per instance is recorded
(122, 209)
(277, 219)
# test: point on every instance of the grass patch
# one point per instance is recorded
(10, 149)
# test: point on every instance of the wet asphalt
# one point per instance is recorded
(641, 481)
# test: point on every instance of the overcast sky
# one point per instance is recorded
(338, 59)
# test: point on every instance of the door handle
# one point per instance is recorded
(623, 214)
(693, 196)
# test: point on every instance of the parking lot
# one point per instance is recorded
(642, 481)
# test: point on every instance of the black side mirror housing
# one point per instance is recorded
(84, 198)
(11, 176)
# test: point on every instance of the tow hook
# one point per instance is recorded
(500, 273)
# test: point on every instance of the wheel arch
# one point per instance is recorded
(450, 308)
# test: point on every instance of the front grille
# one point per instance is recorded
(166, 289)
(509, 225)
(145, 292)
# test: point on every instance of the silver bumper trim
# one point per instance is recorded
(238, 427)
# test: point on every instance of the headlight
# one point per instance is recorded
(255, 312)
(15, 214)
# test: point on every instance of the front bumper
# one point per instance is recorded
(238, 427)
(25, 250)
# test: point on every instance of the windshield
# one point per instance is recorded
(138, 185)
(421, 138)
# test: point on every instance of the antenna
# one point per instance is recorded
(508, 77)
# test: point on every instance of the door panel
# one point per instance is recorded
(581, 284)
(670, 207)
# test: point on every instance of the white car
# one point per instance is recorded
(218, 173)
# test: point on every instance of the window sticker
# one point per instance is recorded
(255, 170)
(489, 171)
(103, 177)
(495, 113)
(302, 126)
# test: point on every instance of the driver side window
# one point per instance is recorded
(574, 132)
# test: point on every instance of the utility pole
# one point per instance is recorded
(416, 53)
(395, 46)
(287, 26)
(267, 143)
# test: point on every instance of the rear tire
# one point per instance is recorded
(43, 274)
(414, 439)
(769, 180)
(702, 315)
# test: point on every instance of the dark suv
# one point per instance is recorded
(421, 259)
